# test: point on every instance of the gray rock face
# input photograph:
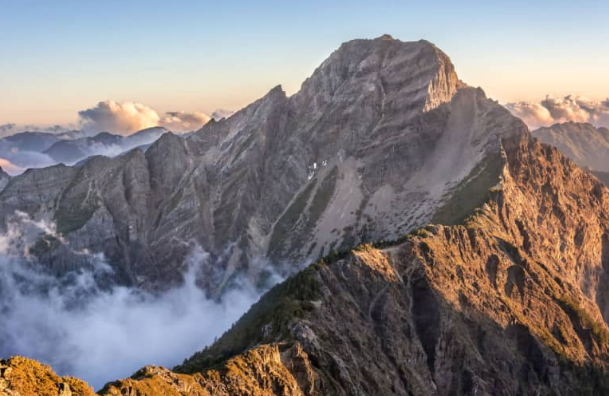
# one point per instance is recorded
(586, 145)
(375, 142)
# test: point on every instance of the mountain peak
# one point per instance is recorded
(385, 69)
(386, 37)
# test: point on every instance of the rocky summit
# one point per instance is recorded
(374, 144)
(452, 252)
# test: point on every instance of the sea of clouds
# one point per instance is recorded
(103, 333)
(554, 110)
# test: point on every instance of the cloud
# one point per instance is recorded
(103, 333)
(180, 121)
(15, 163)
(221, 113)
(7, 129)
(117, 117)
(553, 110)
(10, 168)
(128, 117)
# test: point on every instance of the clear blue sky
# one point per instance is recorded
(58, 57)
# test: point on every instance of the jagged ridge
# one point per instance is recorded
(508, 303)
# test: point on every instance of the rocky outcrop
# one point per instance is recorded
(375, 142)
(260, 371)
(510, 302)
(25, 377)
(585, 144)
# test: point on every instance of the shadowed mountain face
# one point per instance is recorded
(375, 143)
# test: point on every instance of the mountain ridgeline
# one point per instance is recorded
(453, 253)
(374, 144)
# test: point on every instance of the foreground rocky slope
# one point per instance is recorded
(510, 303)
(24, 377)
(372, 146)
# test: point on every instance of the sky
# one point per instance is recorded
(61, 57)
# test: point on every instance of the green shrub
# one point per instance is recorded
(597, 329)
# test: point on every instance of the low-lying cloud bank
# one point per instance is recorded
(101, 334)
(553, 110)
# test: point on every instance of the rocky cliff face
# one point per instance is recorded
(509, 303)
(372, 146)
(583, 143)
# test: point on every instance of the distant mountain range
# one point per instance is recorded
(73, 151)
(40, 149)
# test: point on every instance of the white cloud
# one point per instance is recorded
(10, 168)
(16, 162)
(221, 113)
(553, 110)
(127, 117)
(118, 117)
(180, 121)
(101, 334)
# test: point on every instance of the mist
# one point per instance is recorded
(102, 334)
